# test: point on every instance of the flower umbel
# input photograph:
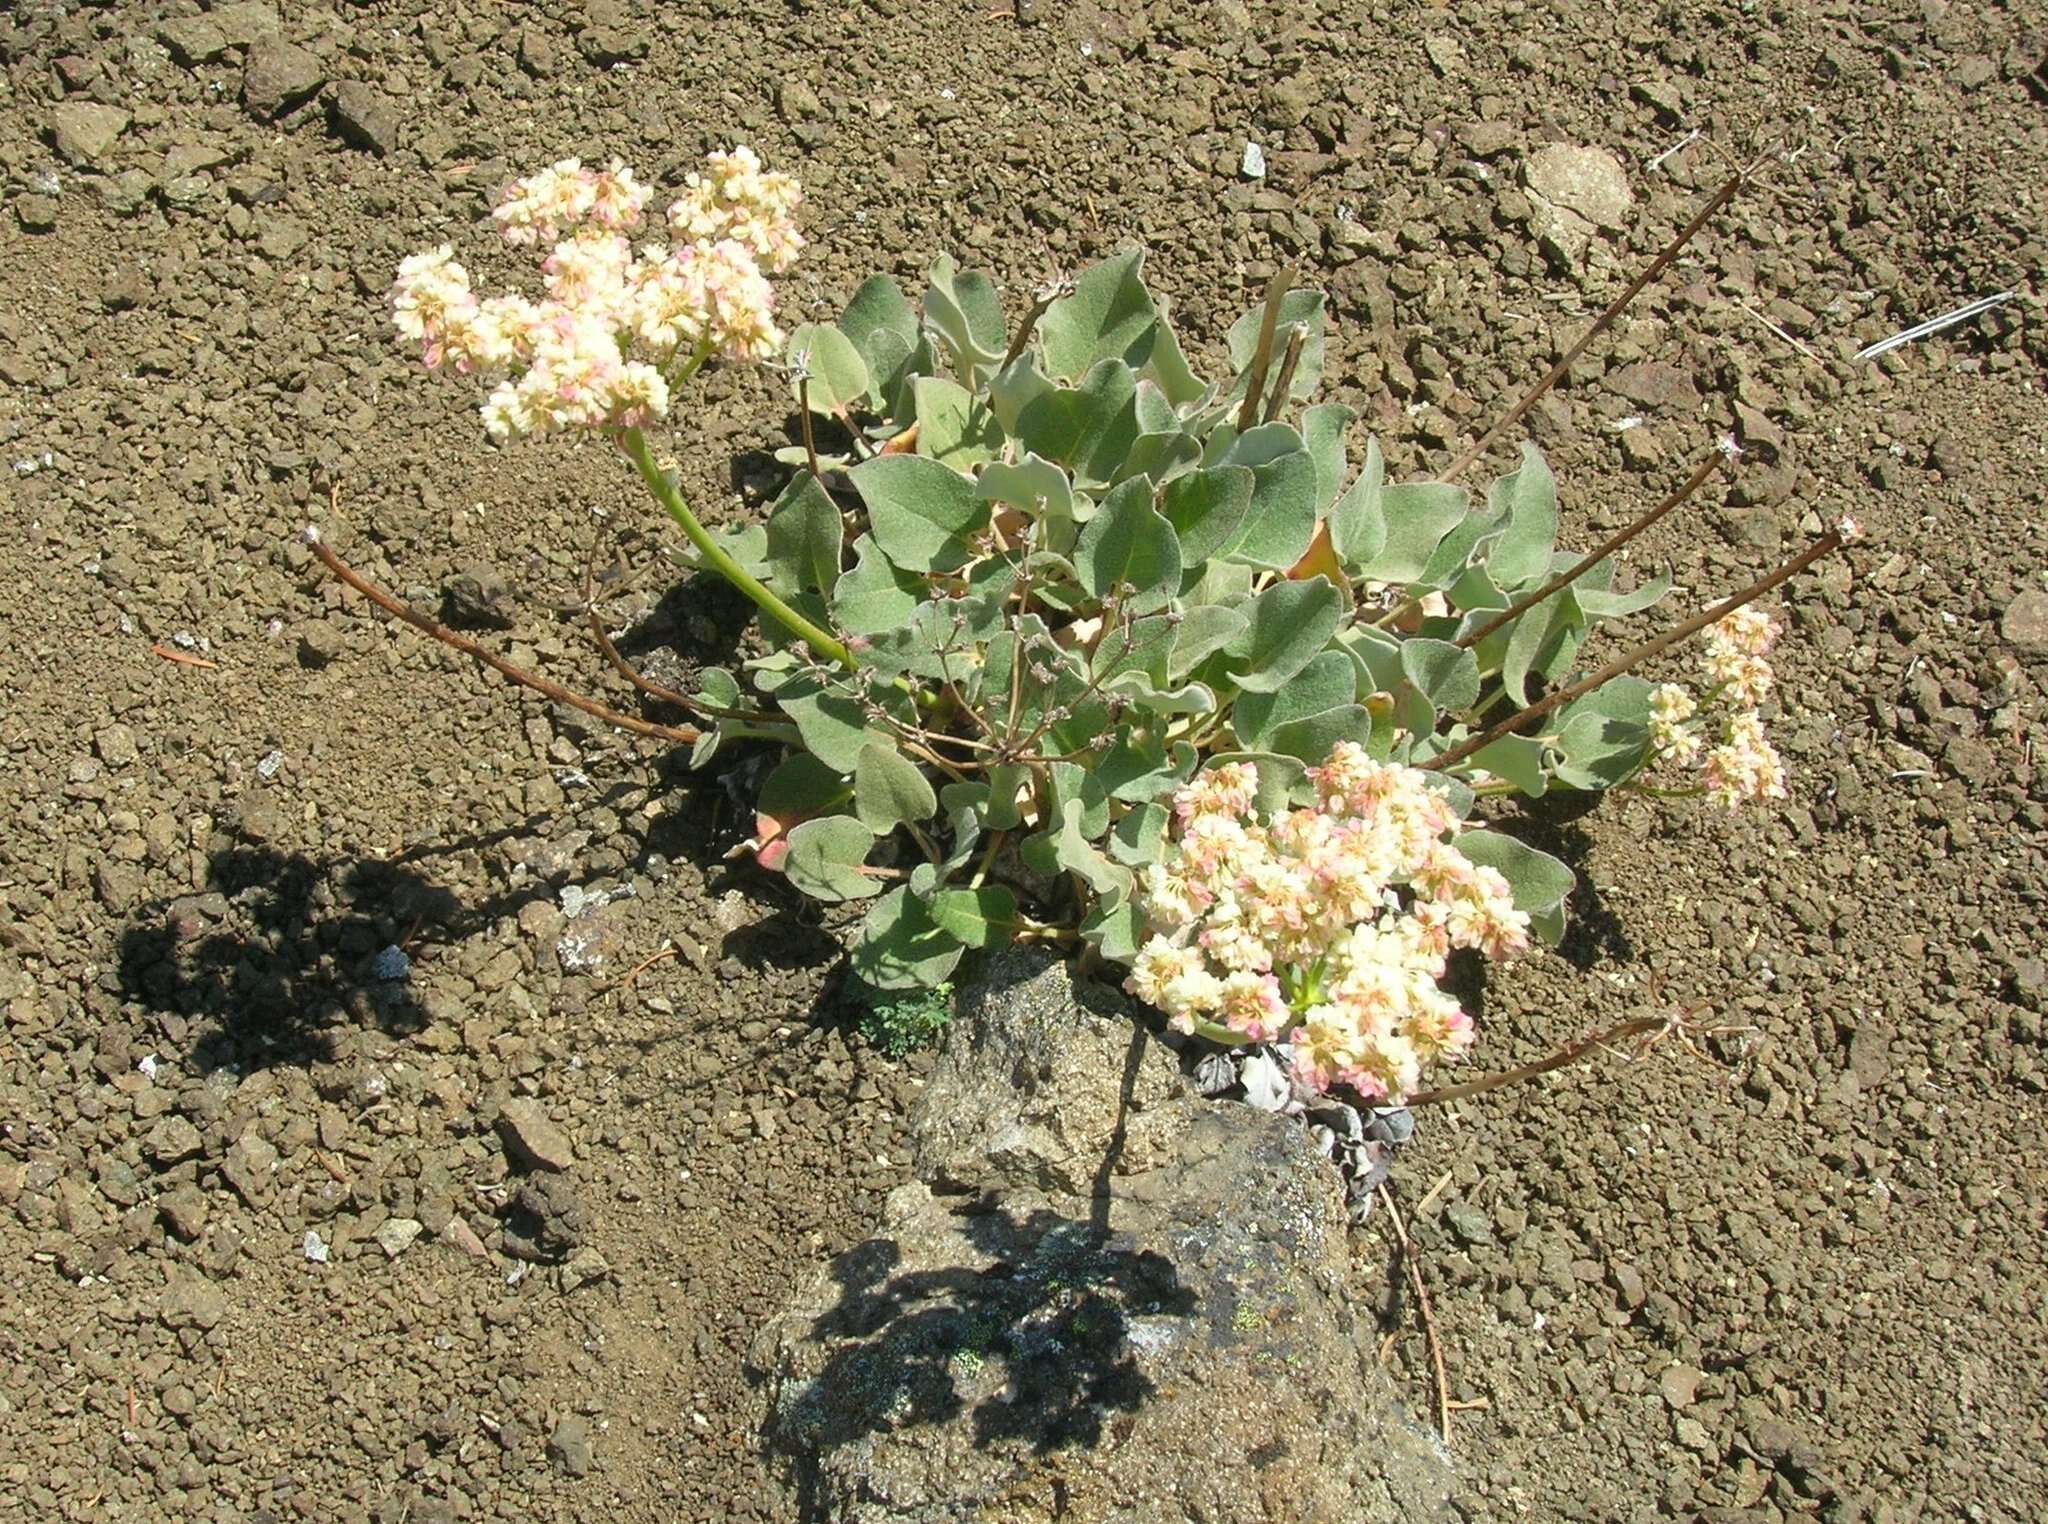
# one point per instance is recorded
(612, 330)
(1326, 928)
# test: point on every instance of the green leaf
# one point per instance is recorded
(1114, 927)
(1527, 499)
(1322, 430)
(1204, 630)
(1310, 739)
(965, 312)
(1109, 316)
(1005, 783)
(1073, 852)
(889, 788)
(1442, 673)
(954, 427)
(826, 856)
(1303, 307)
(831, 721)
(801, 785)
(1534, 633)
(1129, 545)
(1090, 427)
(1518, 759)
(1417, 516)
(977, 917)
(874, 596)
(1207, 509)
(1452, 558)
(902, 947)
(1014, 388)
(1538, 881)
(882, 325)
(1135, 767)
(805, 536)
(1078, 786)
(921, 513)
(1167, 365)
(1034, 486)
(1289, 623)
(1140, 837)
(1603, 738)
(718, 688)
(1281, 520)
(1330, 680)
(838, 376)
(1600, 604)
(1358, 522)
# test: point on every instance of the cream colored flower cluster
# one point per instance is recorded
(1326, 929)
(602, 346)
(1744, 768)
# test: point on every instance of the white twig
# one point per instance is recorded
(1685, 142)
(1745, 306)
(1962, 314)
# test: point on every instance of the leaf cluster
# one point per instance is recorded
(1071, 572)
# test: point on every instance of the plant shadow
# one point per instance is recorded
(1593, 932)
(1033, 1342)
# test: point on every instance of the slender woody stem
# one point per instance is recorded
(1297, 336)
(1262, 357)
(1598, 553)
(1601, 324)
(1832, 540)
(489, 658)
(634, 443)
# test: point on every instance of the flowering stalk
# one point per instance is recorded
(634, 443)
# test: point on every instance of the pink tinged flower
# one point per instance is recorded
(544, 206)
(1227, 791)
(431, 299)
(1746, 768)
(617, 198)
(592, 273)
(1252, 1006)
(1323, 1047)
(639, 395)
(1749, 629)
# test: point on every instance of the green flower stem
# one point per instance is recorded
(634, 443)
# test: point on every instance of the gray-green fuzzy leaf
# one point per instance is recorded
(1129, 551)
(901, 947)
(805, 536)
(920, 512)
(1108, 316)
(825, 858)
(833, 373)
(889, 788)
(1207, 509)
(1289, 623)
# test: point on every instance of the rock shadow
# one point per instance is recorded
(1035, 1342)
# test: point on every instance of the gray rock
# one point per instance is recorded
(537, 1142)
(36, 214)
(2025, 622)
(191, 1301)
(278, 76)
(396, 1234)
(1140, 1286)
(183, 1210)
(250, 1166)
(478, 598)
(537, 54)
(1588, 182)
(84, 130)
(115, 745)
(363, 117)
(244, 22)
(193, 40)
(172, 1141)
(1047, 1125)
(127, 193)
(569, 1445)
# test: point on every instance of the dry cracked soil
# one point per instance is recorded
(285, 1236)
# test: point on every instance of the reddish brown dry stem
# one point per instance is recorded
(1569, 1054)
(1436, 1353)
(490, 658)
(1262, 357)
(1601, 324)
(1600, 552)
(1636, 655)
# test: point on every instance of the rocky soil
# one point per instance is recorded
(352, 1168)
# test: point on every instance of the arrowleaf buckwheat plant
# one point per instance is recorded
(1064, 641)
